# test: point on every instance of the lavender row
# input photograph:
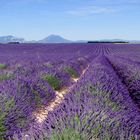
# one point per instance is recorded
(129, 73)
(98, 107)
(26, 90)
(21, 97)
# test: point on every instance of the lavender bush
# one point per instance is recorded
(102, 104)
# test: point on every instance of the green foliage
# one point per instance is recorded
(5, 76)
(67, 134)
(71, 71)
(96, 91)
(107, 136)
(3, 66)
(8, 105)
(132, 138)
(113, 105)
(2, 126)
(21, 122)
(52, 80)
(37, 99)
(93, 90)
(108, 102)
(96, 130)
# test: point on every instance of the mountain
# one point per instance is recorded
(49, 39)
(130, 41)
(10, 38)
(112, 40)
(54, 39)
(135, 41)
(81, 41)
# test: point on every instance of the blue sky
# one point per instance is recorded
(72, 19)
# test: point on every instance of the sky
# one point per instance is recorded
(71, 19)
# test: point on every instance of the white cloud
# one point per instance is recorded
(90, 10)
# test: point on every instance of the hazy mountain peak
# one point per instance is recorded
(52, 35)
(54, 39)
(10, 38)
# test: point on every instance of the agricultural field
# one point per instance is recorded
(70, 91)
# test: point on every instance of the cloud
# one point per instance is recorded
(90, 10)
(103, 7)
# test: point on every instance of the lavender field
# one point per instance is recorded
(70, 91)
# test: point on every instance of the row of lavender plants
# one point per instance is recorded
(97, 107)
(26, 86)
(129, 73)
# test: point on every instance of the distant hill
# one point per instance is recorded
(135, 41)
(81, 41)
(10, 38)
(54, 39)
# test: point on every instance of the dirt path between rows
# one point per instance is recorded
(42, 113)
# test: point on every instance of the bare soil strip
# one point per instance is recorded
(42, 113)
